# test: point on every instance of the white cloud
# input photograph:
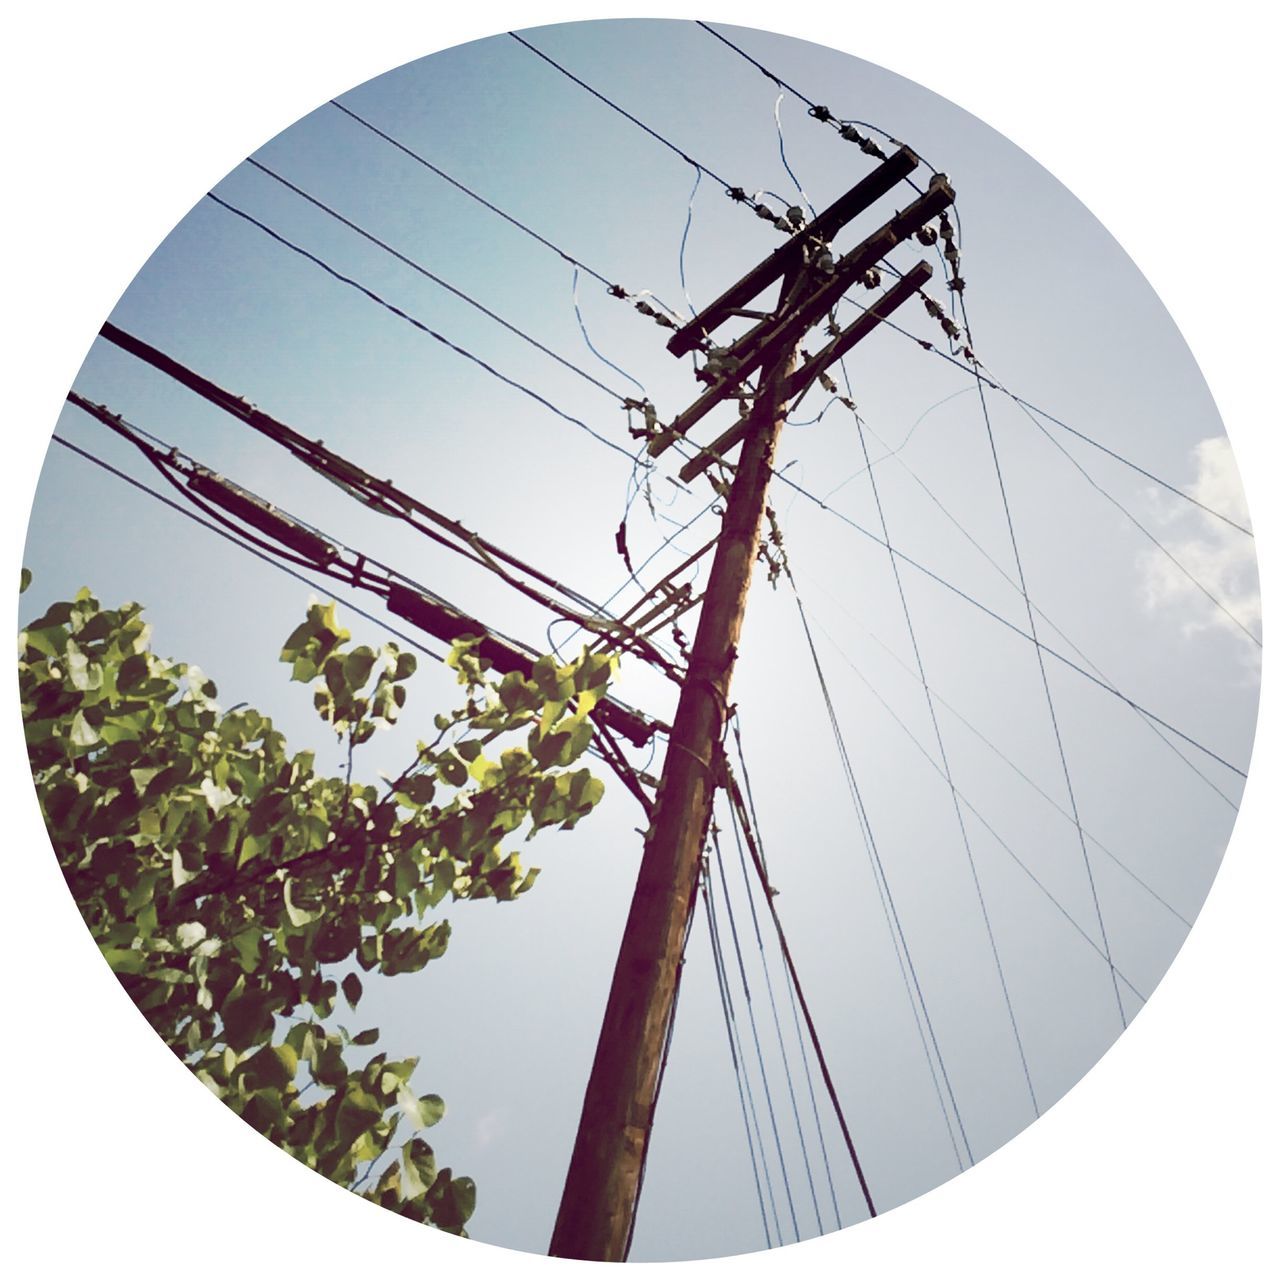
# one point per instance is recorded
(1217, 556)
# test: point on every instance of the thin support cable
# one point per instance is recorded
(755, 1036)
(1039, 645)
(946, 765)
(1048, 693)
(887, 902)
(1062, 635)
(968, 804)
(717, 947)
(773, 1006)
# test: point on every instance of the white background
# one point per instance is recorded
(119, 117)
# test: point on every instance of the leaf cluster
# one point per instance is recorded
(236, 892)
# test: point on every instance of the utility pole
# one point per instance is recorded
(599, 1200)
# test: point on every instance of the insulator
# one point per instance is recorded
(870, 278)
(927, 235)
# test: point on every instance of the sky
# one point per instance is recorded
(1058, 314)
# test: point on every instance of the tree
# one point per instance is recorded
(236, 893)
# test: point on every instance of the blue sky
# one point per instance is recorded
(1027, 302)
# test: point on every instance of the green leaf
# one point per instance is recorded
(82, 734)
(297, 916)
(352, 989)
(246, 1018)
(422, 1112)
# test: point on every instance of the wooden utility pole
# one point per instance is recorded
(598, 1204)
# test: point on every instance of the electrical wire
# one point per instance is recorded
(442, 283)
(946, 767)
(1075, 648)
(773, 1008)
(1048, 692)
(755, 1037)
(792, 984)
(418, 324)
(1039, 645)
(941, 1077)
(746, 1098)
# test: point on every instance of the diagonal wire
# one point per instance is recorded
(418, 324)
(946, 766)
(739, 1065)
(755, 1036)
(773, 1006)
(1048, 693)
(442, 283)
(792, 985)
(1040, 646)
(928, 1037)
(1075, 648)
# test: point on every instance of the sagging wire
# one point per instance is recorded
(782, 152)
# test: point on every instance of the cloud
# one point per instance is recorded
(1217, 556)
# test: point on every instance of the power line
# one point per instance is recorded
(1011, 626)
(995, 835)
(995, 564)
(418, 324)
(887, 903)
(773, 1006)
(792, 986)
(380, 495)
(1048, 693)
(614, 290)
(946, 766)
(640, 124)
(244, 546)
(435, 279)
(755, 1036)
(987, 379)
(759, 1164)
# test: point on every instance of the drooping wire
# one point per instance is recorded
(418, 324)
(591, 346)
(684, 239)
(782, 152)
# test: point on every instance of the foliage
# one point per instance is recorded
(235, 892)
